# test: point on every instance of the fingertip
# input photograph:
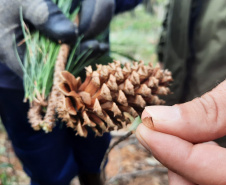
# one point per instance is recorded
(140, 131)
(141, 136)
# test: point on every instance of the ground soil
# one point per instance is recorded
(129, 164)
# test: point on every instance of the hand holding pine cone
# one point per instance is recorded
(111, 96)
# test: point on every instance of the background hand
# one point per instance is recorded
(179, 134)
(95, 16)
(44, 15)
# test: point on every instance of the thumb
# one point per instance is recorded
(48, 18)
(202, 119)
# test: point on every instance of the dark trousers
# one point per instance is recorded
(53, 158)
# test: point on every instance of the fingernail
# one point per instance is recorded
(162, 113)
(148, 122)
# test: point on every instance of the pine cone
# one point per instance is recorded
(111, 96)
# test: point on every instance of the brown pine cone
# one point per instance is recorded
(111, 96)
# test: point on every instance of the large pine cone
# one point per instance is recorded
(111, 96)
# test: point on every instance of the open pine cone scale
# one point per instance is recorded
(110, 97)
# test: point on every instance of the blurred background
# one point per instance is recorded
(134, 36)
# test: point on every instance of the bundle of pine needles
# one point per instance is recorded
(40, 59)
(43, 62)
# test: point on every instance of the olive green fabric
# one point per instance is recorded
(197, 75)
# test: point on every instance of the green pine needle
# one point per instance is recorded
(41, 56)
(137, 121)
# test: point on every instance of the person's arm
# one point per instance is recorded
(125, 5)
(179, 137)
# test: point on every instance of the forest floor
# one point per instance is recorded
(11, 171)
(129, 163)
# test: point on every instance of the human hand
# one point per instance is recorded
(178, 136)
(94, 17)
(96, 47)
(45, 16)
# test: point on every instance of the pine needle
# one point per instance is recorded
(40, 57)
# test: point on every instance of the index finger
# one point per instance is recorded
(200, 163)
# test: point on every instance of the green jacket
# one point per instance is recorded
(194, 50)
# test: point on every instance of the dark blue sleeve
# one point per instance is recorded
(124, 5)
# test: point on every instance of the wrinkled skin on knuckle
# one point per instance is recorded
(208, 113)
(215, 108)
